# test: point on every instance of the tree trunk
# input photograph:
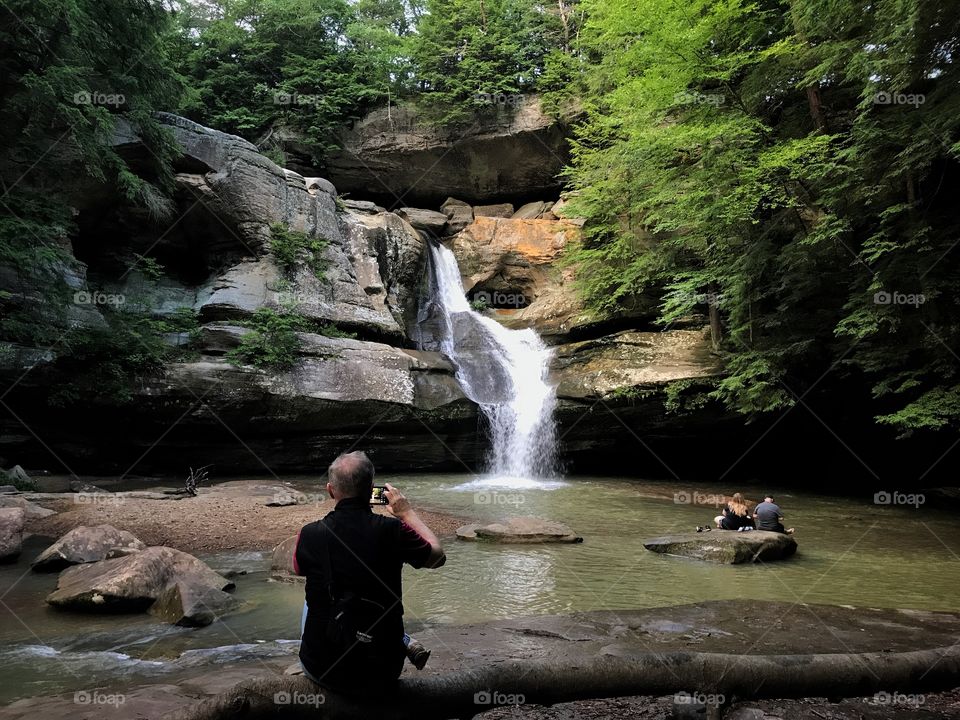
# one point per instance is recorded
(713, 307)
(461, 694)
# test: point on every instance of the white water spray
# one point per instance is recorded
(504, 371)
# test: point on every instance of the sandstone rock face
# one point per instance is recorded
(597, 368)
(85, 545)
(512, 257)
(281, 565)
(726, 546)
(11, 533)
(133, 582)
(401, 155)
(520, 530)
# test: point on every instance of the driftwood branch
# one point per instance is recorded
(452, 695)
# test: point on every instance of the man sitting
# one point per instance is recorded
(353, 635)
(768, 516)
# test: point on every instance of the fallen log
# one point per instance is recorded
(470, 691)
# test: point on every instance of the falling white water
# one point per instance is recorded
(504, 371)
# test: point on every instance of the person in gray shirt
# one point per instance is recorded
(768, 517)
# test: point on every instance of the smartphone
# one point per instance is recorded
(378, 497)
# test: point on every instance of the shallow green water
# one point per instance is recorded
(852, 552)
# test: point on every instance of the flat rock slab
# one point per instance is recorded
(726, 546)
(133, 582)
(87, 544)
(520, 530)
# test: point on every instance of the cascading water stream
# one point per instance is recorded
(504, 371)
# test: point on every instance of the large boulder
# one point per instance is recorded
(429, 221)
(520, 530)
(11, 533)
(192, 604)
(726, 546)
(399, 153)
(133, 582)
(281, 563)
(31, 510)
(87, 544)
(459, 214)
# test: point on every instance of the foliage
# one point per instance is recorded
(73, 69)
(469, 54)
(272, 342)
(330, 330)
(106, 363)
(796, 159)
(306, 64)
(289, 246)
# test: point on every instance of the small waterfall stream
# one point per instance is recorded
(504, 371)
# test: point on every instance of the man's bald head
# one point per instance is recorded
(351, 475)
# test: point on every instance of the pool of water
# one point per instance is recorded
(852, 552)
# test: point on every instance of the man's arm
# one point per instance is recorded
(400, 508)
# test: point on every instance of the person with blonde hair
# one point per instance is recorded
(736, 515)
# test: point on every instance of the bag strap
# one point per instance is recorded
(326, 533)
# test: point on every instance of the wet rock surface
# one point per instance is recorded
(763, 627)
(11, 533)
(726, 546)
(519, 530)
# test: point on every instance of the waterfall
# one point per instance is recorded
(504, 371)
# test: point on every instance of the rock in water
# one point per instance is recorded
(726, 546)
(281, 566)
(192, 605)
(520, 530)
(133, 582)
(86, 545)
(11, 533)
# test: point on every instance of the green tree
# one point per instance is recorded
(744, 153)
(468, 54)
(70, 70)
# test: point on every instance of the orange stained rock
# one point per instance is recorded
(539, 241)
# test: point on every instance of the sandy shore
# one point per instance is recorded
(229, 516)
